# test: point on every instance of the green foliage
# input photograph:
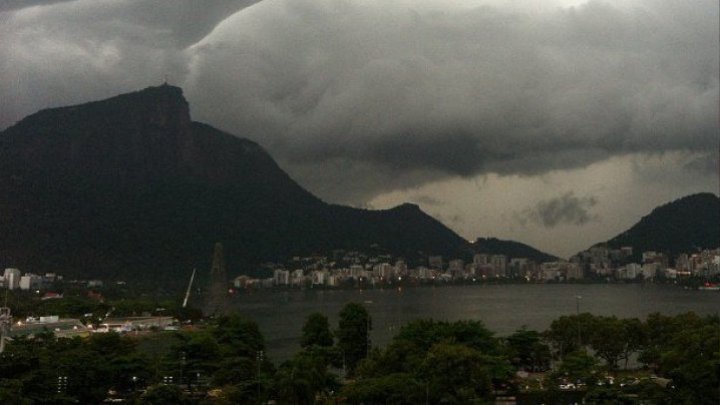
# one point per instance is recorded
(242, 368)
(80, 369)
(316, 331)
(353, 327)
(607, 395)
(11, 391)
(569, 333)
(238, 336)
(692, 361)
(162, 394)
(399, 388)
(634, 337)
(526, 350)
(195, 353)
(300, 379)
(457, 373)
(659, 330)
(453, 362)
(608, 340)
(577, 365)
(426, 333)
(427, 361)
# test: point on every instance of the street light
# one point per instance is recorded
(577, 312)
(259, 357)
(134, 381)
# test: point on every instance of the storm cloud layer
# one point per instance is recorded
(462, 90)
(358, 99)
(567, 209)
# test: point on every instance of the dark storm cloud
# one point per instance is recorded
(462, 91)
(75, 51)
(390, 94)
(9, 5)
(566, 209)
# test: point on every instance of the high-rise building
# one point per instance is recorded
(481, 259)
(435, 262)
(281, 277)
(499, 264)
(12, 278)
(30, 281)
(456, 268)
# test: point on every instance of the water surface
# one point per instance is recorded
(502, 308)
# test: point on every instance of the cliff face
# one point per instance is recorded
(131, 187)
(129, 138)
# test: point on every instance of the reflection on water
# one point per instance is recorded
(503, 308)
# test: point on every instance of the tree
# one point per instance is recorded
(316, 331)
(197, 353)
(398, 388)
(164, 395)
(244, 367)
(634, 336)
(11, 391)
(424, 333)
(457, 373)
(353, 329)
(577, 365)
(570, 333)
(608, 340)
(238, 336)
(659, 331)
(300, 379)
(692, 361)
(527, 350)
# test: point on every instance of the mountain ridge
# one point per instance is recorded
(512, 249)
(684, 225)
(129, 186)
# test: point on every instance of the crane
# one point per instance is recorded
(187, 293)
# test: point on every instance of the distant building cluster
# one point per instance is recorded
(351, 268)
(617, 264)
(13, 279)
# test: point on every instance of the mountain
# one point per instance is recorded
(510, 249)
(131, 188)
(682, 226)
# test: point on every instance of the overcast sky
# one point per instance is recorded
(556, 123)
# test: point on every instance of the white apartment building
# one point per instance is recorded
(12, 278)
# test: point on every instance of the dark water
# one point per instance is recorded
(503, 308)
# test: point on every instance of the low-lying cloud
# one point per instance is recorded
(564, 210)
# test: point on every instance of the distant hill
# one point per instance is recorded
(131, 188)
(687, 225)
(510, 249)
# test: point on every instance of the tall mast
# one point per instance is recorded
(216, 303)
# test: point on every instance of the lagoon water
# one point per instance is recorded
(502, 308)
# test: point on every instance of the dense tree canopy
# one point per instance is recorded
(427, 361)
(316, 331)
(353, 334)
